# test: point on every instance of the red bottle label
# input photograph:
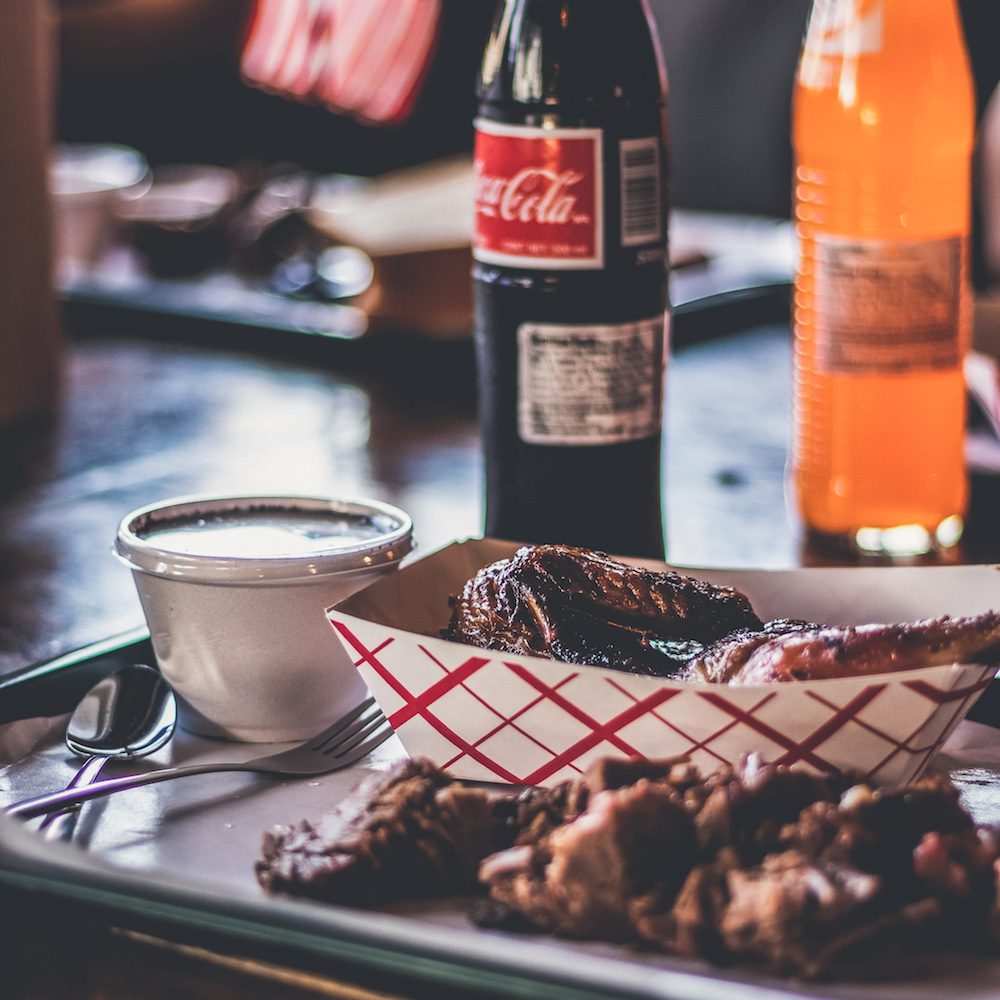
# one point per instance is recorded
(539, 197)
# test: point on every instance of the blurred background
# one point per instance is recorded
(170, 79)
(230, 192)
(163, 75)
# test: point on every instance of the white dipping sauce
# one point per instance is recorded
(251, 540)
(259, 534)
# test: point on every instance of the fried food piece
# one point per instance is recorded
(820, 653)
(582, 607)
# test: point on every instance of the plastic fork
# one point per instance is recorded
(348, 740)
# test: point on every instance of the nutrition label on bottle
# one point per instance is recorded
(590, 385)
(887, 305)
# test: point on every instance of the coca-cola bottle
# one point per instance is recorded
(570, 273)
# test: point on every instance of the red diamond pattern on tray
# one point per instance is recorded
(496, 717)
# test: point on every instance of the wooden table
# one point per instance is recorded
(156, 409)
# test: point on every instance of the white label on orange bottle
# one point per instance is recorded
(887, 305)
(590, 385)
(838, 28)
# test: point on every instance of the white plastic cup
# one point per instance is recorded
(234, 591)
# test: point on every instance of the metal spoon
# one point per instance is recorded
(129, 713)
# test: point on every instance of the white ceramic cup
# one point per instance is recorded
(234, 591)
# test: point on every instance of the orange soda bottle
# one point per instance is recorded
(883, 130)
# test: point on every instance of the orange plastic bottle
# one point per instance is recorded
(883, 131)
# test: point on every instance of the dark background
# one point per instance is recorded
(163, 76)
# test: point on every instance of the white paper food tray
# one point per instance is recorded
(498, 717)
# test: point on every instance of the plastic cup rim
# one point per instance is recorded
(143, 555)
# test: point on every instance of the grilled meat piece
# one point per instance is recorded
(583, 607)
(746, 808)
(723, 659)
(816, 918)
(610, 773)
(799, 873)
(581, 879)
(631, 840)
(818, 653)
(690, 925)
(790, 910)
(877, 830)
(803, 874)
(531, 815)
(866, 881)
(855, 882)
(413, 833)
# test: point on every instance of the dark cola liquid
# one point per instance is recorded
(570, 65)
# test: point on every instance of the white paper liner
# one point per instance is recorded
(490, 716)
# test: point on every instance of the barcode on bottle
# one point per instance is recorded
(642, 216)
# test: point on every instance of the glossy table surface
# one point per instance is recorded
(148, 418)
(156, 409)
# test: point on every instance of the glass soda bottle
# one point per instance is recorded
(883, 126)
(570, 273)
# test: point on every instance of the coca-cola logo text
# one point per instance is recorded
(538, 195)
(533, 194)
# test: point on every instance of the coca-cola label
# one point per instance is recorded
(539, 196)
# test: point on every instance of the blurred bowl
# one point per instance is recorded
(178, 224)
(87, 183)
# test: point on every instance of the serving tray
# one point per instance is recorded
(183, 852)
